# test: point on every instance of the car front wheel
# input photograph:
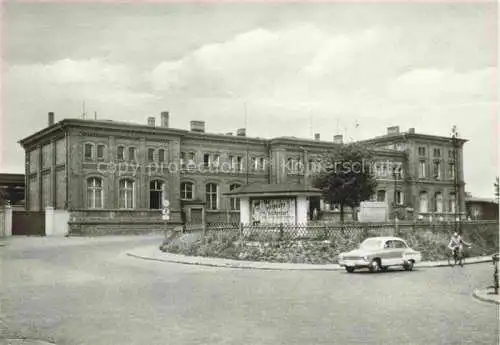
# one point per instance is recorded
(349, 269)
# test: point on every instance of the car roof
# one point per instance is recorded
(385, 238)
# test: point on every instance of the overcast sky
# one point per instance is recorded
(300, 68)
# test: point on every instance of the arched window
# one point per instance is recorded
(438, 199)
(126, 197)
(424, 202)
(234, 202)
(211, 196)
(95, 192)
(187, 190)
(156, 194)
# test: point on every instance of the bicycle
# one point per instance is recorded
(456, 257)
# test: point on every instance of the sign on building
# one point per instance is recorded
(273, 211)
(372, 211)
(165, 213)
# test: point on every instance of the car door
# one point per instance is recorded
(387, 254)
(399, 250)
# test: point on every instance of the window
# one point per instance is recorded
(151, 155)
(234, 202)
(239, 164)
(187, 191)
(161, 155)
(437, 152)
(88, 152)
(211, 196)
(95, 193)
(232, 163)
(254, 164)
(451, 170)
(399, 244)
(120, 153)
(421, 151)
(399, 197)
(451, 203)
(206, 160)
(126, 198)
(215, 161)
(422, 167)
(156, 194)
(131, 154)
(381, 195)
(438, 202)
(100, 151)
(437, 170)
(424, 202)
(451, 154)
(262, 164)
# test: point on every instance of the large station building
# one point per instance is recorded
(109, 169)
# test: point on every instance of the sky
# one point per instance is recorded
(278, 69)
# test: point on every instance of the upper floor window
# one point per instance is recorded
(451, 154)
(151, 155)
(399, 197)
(262, 164)
(421, 151)
(423, 202)
(422, 169)
(215, 160)
(95, 192)
(438, 202)
(451, 202)
(239, 164)
(88, 154)
(437, 170)
(100, 151)
(126, 196)
(187, 158)
(234, 202)
(161, 155)
(131, 154)
(187, 190)
(254, 164)
(437, 152)
(120, 153)
(211, 196)
(451, 170)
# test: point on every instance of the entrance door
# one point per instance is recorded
(196, 216)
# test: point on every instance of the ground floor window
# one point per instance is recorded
(156, 194)
(126, 196)
(211, 196)
(95, 192)
(234, 202)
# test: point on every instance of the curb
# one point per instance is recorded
(270, 266)
(479, 296)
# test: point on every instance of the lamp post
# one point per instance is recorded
(456, 180)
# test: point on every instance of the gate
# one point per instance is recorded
(28, 223)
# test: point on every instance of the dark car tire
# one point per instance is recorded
(408, 266)
(349, 269)
(384, 268)
(374, 265)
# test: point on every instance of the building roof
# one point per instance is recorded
(11, 179)
(276, 189)
(479, 199)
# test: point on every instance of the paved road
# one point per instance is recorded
(78, 291)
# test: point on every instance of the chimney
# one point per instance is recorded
(337, 139)
(164, 118)
(392, 130)
(241, 132)
(51, 118)
(151, 121)
(316, 136)
(411, 131)
(198, 126)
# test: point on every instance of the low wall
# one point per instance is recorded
(5, 221)
(56, 222)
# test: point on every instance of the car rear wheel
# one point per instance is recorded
(349, 269)
(384, 268)
(374, 265)
(408, 265)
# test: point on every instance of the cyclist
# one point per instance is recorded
(457, 243)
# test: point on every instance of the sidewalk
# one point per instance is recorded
(486, 295)
(153, 253)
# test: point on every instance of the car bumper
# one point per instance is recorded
(354, 263)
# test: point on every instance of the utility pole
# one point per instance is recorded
(454, 138)
(246, 160)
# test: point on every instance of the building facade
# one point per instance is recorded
(110, 169)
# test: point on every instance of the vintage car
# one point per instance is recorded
(380, 253)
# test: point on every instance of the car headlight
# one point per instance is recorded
(365, 257)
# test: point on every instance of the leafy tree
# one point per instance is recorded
(3, 197)
(345, 177)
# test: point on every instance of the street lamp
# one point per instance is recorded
(456, 180)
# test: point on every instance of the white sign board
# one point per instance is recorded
(371, 211)
(165, 213)
(273, 211)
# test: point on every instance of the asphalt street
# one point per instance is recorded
(87, 291)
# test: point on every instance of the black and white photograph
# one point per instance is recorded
(249, 172)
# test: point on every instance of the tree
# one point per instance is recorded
(345, 177)
(3, 197)
(497, 188)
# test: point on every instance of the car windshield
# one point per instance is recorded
(370, 243)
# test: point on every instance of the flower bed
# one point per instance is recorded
(229, 244)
